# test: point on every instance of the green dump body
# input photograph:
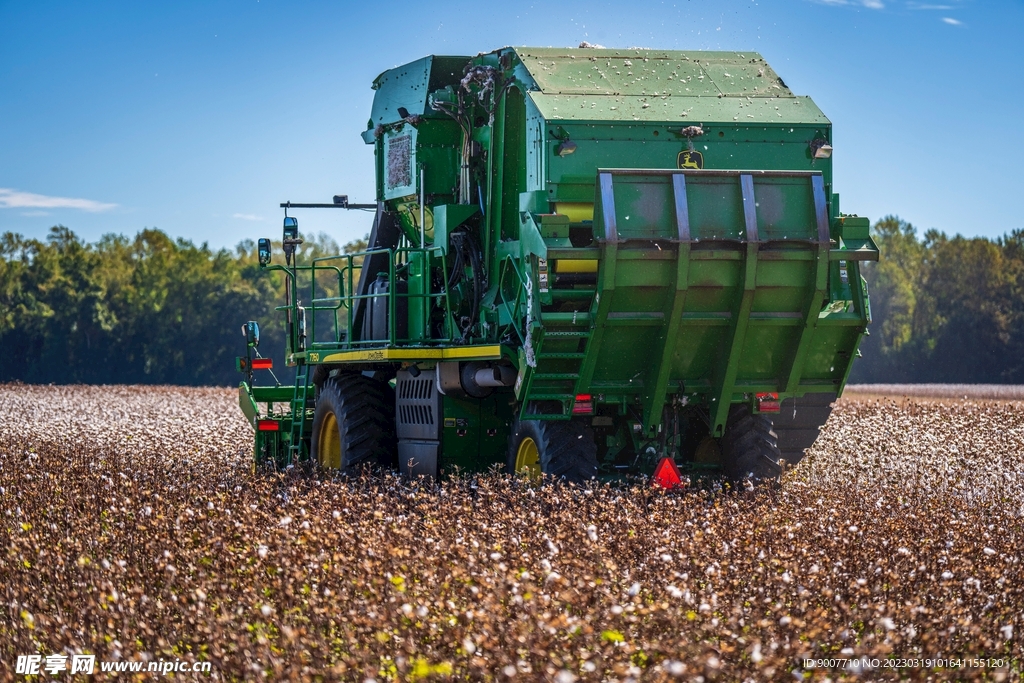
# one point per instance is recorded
(656, 228)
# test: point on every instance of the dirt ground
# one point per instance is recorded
(134, 529)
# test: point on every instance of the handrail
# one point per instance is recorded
(347, 298)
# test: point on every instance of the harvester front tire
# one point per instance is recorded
(750, 447)
(564, 450)
(799, 422)
(354, 424)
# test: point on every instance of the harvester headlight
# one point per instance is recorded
(566, 148)
(251, 332)
(820, 149)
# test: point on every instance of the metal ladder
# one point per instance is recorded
(560, 327)
(299, 402)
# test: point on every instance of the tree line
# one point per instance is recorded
(945, 309)
(155, 310)
(145, 310)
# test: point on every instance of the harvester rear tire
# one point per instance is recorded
(750, 448)
(799, 422)
(565, 450)
(354, 424)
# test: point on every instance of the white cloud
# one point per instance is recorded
(870, 4)
(35, 213)
(247, 216)
(13, 199)
(951, 21)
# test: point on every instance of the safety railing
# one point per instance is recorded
(414, 309)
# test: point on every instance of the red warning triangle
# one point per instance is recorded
(666, 474)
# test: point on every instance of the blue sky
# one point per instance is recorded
(199, 118)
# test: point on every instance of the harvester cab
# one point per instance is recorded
(583, 263)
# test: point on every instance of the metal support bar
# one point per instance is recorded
(656, 386)
(724, 385)
(292, 205)
(816, 298)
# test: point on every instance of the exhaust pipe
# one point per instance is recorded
(495, 376)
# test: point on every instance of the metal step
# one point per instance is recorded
(551, 397)
(561, 356)
(555, 376)
(568, 334)
(578, 318)
(572, 294)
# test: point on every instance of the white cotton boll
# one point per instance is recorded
(285, 521)
(266, 610)
(262, 551)
(634, 590)
(988, 551)
(592, 533)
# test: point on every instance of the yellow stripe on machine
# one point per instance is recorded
(566, 265)
(491, 351)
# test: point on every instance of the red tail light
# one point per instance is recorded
(267, 425)
(262, 363)
(583, 405)
(768, 402)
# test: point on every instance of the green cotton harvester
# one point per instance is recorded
(583, 263)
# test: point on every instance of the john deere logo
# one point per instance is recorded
(688, 159)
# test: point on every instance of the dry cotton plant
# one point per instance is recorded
(133, 528)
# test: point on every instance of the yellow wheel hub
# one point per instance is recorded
(329, 443)
(528, 459)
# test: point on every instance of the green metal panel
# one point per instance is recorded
(642, 72)
(677, 109)
(475, 432)
(748, 255)
(408, 87)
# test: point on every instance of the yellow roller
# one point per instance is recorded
(576, 265)
(576, 211)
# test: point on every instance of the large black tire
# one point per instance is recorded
(565, 449)
(799, 422)
(750, 448)
(354, 424)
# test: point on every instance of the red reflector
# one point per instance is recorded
(666, 474)
(262, 363)
(583, 405)
(768, 402)
(267, 425)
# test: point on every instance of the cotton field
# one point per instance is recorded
(133, 528)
